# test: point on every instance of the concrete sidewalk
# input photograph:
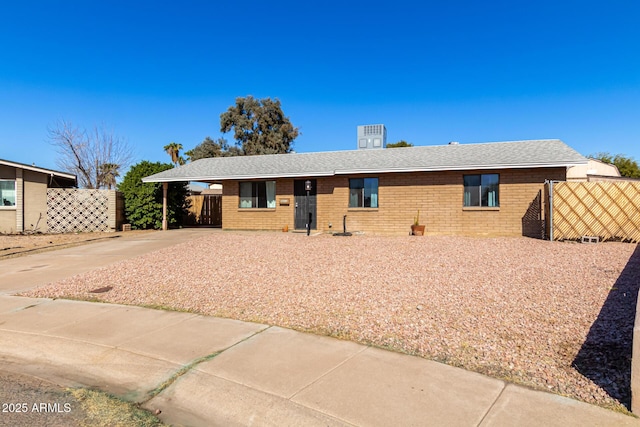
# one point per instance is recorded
(205, 371)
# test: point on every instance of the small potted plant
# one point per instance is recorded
(416, 228)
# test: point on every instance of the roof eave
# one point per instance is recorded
(458, 168)
(204, 178)
(37, 169)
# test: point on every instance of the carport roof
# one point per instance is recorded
(491, 155)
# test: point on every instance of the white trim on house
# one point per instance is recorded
(37, 169)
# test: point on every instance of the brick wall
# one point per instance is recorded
(438, 196)
(234, 218)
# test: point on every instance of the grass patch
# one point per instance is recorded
(104, 410)
(178, 374)
(166, 308)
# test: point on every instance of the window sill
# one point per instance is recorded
(480, 208)
(362, 209)
(7, 208)
(256, 209)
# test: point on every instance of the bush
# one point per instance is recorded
(143, 200)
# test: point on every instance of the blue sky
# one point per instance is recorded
(432, 72)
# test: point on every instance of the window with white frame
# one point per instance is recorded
(7, 193)
(258, 194)
(481, 190)
(363, 192)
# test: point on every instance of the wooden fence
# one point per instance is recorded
(204, 210)
(608, 210)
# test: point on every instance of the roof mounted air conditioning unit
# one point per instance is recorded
(372, 136)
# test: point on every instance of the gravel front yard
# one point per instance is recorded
(554, 316)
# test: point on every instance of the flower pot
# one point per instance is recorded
(417, 230)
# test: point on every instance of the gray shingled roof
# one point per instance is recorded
(492, 155)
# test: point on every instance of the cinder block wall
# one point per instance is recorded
(438, 196)
(72, 210)
(116, 210)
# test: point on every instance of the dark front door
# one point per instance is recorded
(305, 209)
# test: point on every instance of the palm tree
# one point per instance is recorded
(107, 174)
(173, 150)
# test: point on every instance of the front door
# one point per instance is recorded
(305, 207)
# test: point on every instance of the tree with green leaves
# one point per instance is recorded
(259, 125)
(173, 150)
(143, 200)
(627, 166)
(210, 148)
(401, 143)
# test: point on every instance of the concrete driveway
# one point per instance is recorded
(28, 271)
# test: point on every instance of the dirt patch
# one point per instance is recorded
(19, 244)
(30, 401)
(22, 396)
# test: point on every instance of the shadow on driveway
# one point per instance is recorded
(605, 356)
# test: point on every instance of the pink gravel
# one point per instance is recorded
(553, 316)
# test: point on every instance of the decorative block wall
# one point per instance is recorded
(80, 210)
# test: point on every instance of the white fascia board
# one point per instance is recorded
(62, 175)
(457, 168)
(363, 171)
(238, 177)
(37, 169)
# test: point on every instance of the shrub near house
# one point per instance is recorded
(143, 201)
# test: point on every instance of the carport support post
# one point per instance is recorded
(165, 187)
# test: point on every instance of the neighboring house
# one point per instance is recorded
(214, 189)
(23, 195)
(194, 189)
(488, 189)
(197, 190)
(594, 170)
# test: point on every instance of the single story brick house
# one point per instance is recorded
(484, 189)
(23, 195)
